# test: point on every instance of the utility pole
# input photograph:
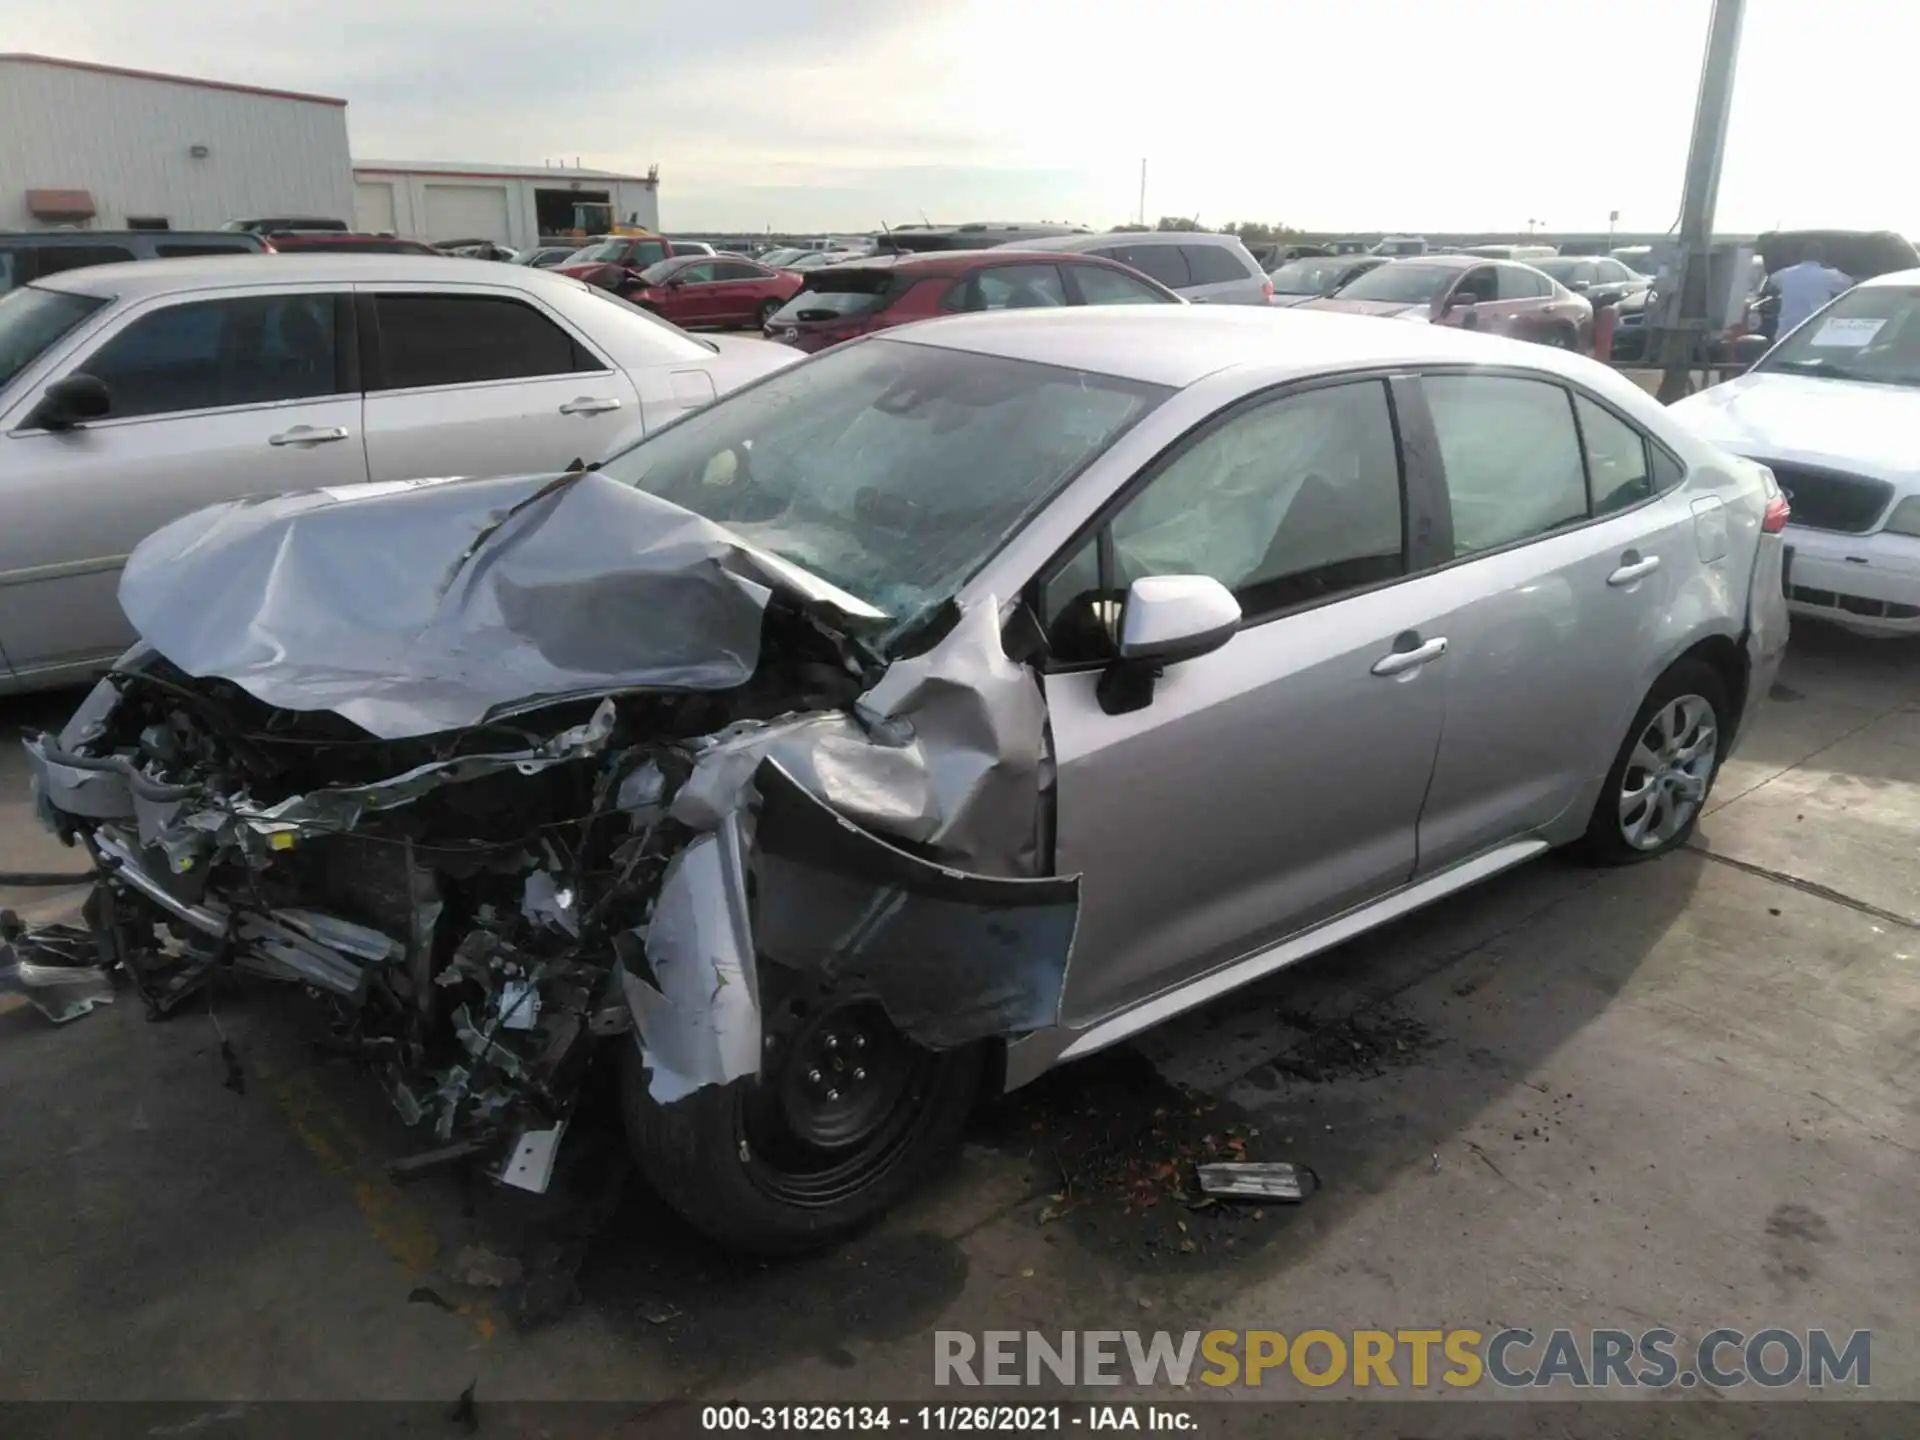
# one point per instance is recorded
(1613, 219)
(1683, 321)
(1143, 190)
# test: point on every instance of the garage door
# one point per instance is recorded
(373, 206)
(467, 212)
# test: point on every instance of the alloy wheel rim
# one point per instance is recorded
(1668, 772)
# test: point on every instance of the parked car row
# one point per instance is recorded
(133, 393)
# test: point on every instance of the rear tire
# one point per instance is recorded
(769, 1164)
(1663, 774)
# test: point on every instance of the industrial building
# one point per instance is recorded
(511, 205)
(111, 148)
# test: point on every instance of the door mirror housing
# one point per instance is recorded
(1166, 619)
(1462, 299)
(72, 401)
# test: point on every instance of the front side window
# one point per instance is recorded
(31, 320)
(208, 354)
(1101, 286)
(739, 270)
(701, 272)
(1016, 287)
(1512, 458)
(1616, 458)
(1517, 282)
(891, 470)
(433, 339)
(1293, 501)
(1481, 282)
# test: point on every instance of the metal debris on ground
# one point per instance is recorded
(55, 968)
(1257, 1180)
(478, 1266)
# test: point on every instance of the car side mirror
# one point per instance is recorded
(1579, 287)
(1166, 619)
(1462, 299)
(72, 401)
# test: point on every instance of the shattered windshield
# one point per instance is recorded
(1871, 334)
(891, 470)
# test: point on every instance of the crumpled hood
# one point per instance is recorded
(419, 607)
(1841, 423)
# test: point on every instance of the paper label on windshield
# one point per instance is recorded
(1849, 334)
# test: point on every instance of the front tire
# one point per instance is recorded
(1664, 771)
(846, 1117)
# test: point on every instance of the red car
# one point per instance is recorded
(712, 290)
(1502, 296)
(857, 296)
(613, 261)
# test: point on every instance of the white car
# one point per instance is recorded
(132, 394)
(1833, 410)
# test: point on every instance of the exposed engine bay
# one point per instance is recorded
(748, 794)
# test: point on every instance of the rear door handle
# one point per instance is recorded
(1632, 568)
(309, 435)
(590, 405)
(1396, 661)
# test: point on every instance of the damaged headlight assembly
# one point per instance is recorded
(605, 776)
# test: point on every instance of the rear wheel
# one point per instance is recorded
(1659, 781)
(846, 1116)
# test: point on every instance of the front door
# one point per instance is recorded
(212, 398)
(1278, 780)
(470, 383)
(1570, 594)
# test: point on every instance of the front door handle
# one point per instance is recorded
(590, 405)
(1633, 567)
(1397, 661)
(309, 435)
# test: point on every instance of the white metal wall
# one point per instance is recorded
(128, 140)
(444, 205)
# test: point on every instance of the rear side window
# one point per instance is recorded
(1016, 287)
(738, 270)
(1165, 263)
(1512, 458)
(466, 339)
(24, 263)
(1617, 467)
(700, 272)
(1213, 264)
(1101, 286)
(215, 353)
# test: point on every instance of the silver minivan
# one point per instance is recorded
(1202, 268)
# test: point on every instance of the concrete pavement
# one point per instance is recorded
(1681, 1094)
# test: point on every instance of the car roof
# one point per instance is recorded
(1896, 277)
(1176, 345)
(1447, 260)
(1069, 244)
(136, 279)
(958, 262)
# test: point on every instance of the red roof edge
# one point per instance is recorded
(170, 79)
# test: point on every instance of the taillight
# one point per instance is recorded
(1775, 518)
(1266, 290)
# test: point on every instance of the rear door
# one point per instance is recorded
(740, 287)
(213, 397)
(1566, 556)
(694, 296)
(1278, 780)
(468, 381)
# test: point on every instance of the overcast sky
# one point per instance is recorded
(1367, 114)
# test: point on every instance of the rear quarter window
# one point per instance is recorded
(1213, 264)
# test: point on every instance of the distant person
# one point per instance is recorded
(1805, 287)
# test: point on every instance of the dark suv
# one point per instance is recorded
(28, 255)
(856, 296)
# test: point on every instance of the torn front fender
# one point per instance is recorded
(951, 956)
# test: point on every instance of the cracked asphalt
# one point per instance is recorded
(1683, 1094)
